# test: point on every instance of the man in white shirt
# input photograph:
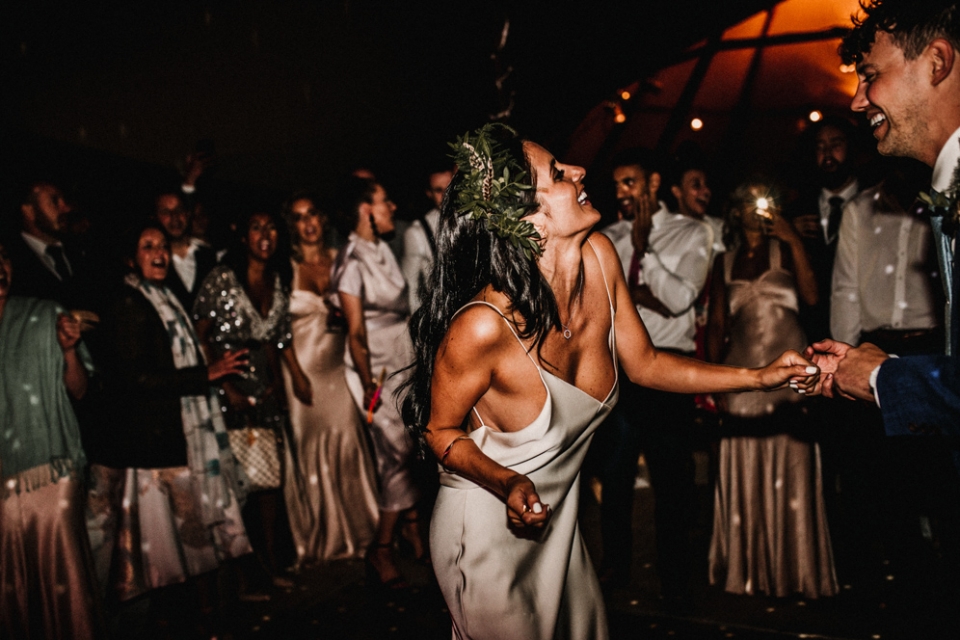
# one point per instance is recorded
(418, 239)
(884, 289)
(192, 259)
(908, 65)
(666, 257)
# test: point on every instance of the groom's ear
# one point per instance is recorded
(942, 56)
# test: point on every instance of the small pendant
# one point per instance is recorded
(567, 333)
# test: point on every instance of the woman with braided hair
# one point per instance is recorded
(523, 322)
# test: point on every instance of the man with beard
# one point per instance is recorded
(192, 259)
(908, 66)
(47, 268)
(817, 214)
(666, 257)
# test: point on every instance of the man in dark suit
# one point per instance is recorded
(47, 266)
(817, 213)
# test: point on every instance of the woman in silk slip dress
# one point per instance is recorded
(526, 316)
(770, 530)
(334, 514)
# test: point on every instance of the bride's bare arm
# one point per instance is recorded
(647, 366)
(465, 369)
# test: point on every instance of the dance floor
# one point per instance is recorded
(336, 602)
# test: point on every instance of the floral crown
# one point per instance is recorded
(491, 187)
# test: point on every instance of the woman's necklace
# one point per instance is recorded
(578, 294)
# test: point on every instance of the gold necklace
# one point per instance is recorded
(578, 294)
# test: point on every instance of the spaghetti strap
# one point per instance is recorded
(513, 331)
(612, 339)
(509, 325)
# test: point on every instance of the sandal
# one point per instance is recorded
(373, 574)
(409, 541)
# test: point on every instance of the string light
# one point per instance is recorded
(815, 116)
(696, 124)
(618, 115)
(625, 94)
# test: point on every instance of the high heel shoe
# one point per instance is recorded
(410, 538)
(373, 574)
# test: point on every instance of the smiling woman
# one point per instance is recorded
(165, 476)
(244, 302)
(517, 359)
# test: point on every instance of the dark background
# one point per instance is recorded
(106, 97)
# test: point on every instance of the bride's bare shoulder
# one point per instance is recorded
(477, 329)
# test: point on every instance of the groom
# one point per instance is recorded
(908, 64)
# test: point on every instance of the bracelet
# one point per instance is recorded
(446, 452)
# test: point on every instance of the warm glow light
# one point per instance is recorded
(618, 115)
(696, 124)
(848, 68)
(625, 95)
(815, 116)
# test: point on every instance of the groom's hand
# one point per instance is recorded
(827, 355)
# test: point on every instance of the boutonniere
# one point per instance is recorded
(945, 205)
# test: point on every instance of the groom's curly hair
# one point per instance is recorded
(912, 24)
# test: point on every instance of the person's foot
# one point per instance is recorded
(382, 567)
(410, 530)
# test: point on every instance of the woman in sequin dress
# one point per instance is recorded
(769, 529)
(372, 293)
(331, 518)
(245, 302)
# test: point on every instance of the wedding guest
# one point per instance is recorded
(164, 505)
(47, 582)
(770, 530)
(332, 518)
(245, 302)
(372, 293)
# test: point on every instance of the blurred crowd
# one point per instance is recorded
(209, 392)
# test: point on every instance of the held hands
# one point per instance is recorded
(847, 369)
(232, 362)
(793, 370)
(524, 508)
(68, 332)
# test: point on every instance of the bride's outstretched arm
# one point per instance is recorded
(649, 367)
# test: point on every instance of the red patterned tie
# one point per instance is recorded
(633, 278)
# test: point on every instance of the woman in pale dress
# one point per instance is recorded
(517, 346)
(372, 293)
(335, 514)
(770, 529)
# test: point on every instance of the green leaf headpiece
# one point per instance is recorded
(491, 188)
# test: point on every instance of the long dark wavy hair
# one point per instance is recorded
(468, 258)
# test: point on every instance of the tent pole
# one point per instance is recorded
(681, 111)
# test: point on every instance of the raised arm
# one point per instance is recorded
(678, 288)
